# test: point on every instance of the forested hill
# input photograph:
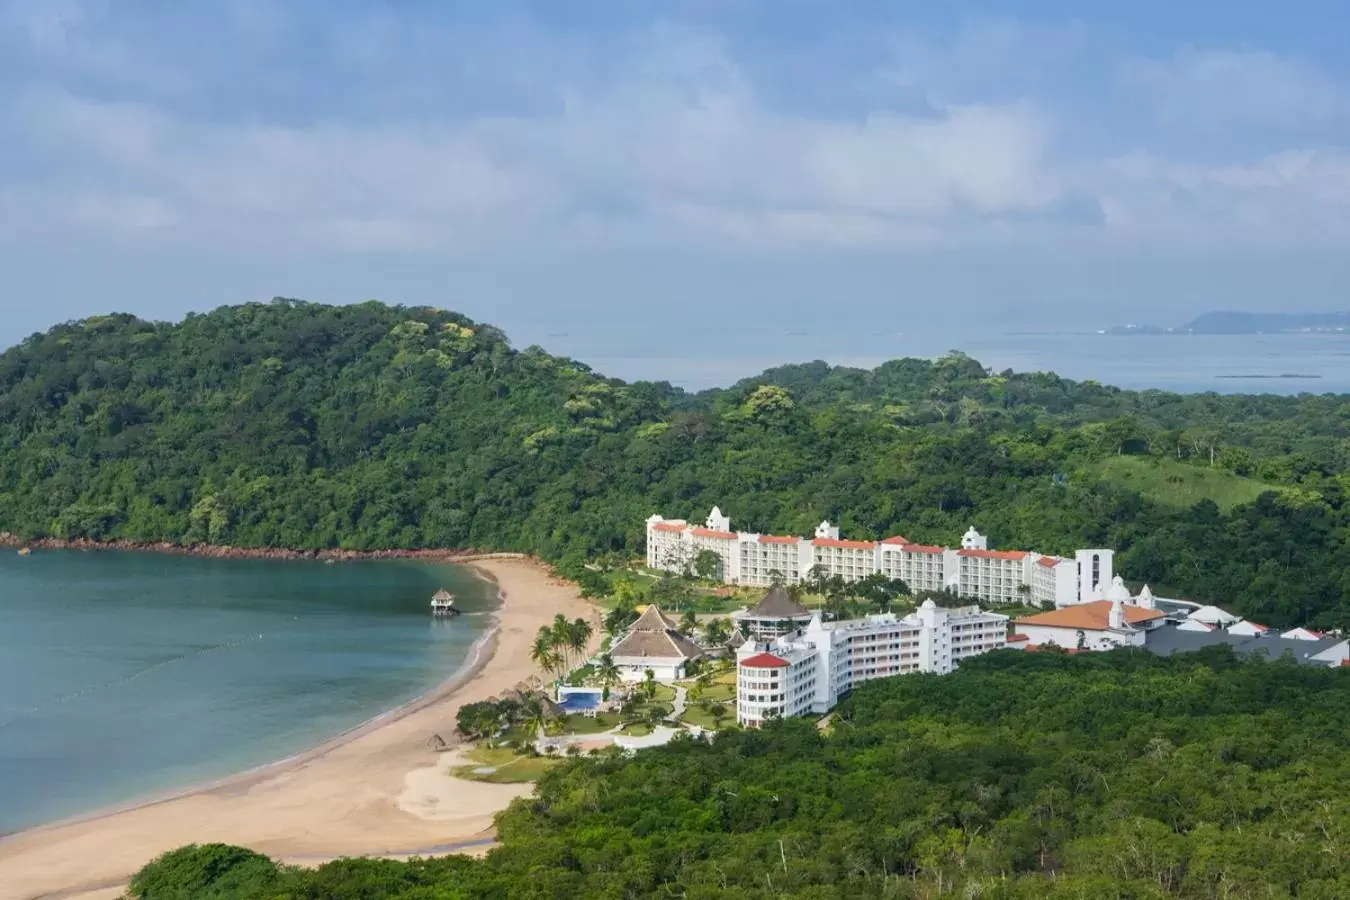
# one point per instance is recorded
(307, 426)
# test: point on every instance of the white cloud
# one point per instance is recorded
(664, 137)
(1239, 88)
(1295, 198)
(682, 150)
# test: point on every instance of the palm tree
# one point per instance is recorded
(559, 634)
(607, 670)
(542, 653)
(536, 717)
(716, 633)
(579, 635)
(718, 710)
(688, 622)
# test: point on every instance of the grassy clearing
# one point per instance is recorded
(579, 724)
(636, 729)
(1172, 483)
(491, 756)
(503, 766)
(664, 693)
(723, 691)
(697, 715)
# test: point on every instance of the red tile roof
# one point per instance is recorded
(1050, 561)
(993, 554)
(712, 533)
(850, 545)
(924, 548)
(896, 540)
(668, 526)
(1014, 638)
(1094, 616)
(763, 661)
(777, 539)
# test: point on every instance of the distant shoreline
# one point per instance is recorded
(218, 551)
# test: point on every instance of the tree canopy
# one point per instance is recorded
(299, 425)
(1112, 775)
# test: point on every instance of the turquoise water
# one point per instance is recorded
(123, 674)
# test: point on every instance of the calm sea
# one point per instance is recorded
(696, 356)
(123, 674)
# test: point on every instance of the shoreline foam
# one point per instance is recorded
(339, 798)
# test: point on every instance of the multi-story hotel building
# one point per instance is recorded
(974, 571)
(807, 671)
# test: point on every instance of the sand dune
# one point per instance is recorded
(376, 791)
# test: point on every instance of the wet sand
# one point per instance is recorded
(379, 790)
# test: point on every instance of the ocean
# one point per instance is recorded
(697, 356)
(129, 674)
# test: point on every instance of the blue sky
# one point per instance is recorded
(558, 166)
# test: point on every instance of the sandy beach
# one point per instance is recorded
(377, 791)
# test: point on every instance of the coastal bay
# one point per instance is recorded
(365, 793)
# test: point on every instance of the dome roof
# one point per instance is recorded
(1118, 590)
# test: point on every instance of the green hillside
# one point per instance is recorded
(1171, 483)
(298, 425)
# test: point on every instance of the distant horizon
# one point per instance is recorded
(706, 356)
(550, 167)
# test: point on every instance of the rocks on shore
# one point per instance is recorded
(214, 551)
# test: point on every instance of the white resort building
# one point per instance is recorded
(973, 570)
(808, 670)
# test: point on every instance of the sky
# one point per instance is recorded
(605, 177)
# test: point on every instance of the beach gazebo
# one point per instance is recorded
(443, 604)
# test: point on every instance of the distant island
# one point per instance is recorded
(1247, 323)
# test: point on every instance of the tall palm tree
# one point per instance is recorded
(578, 636)
(608, 671)
(560, 635)
(542, 653)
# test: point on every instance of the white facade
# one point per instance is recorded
(1054, 580)
(996, 576)
(808, 671)
(974, 570)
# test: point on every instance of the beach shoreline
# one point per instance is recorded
(344, 797)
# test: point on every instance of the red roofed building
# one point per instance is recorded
(775, 685)
(974, 570)
(763, 661)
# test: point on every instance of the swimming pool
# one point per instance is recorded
(579, 702)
